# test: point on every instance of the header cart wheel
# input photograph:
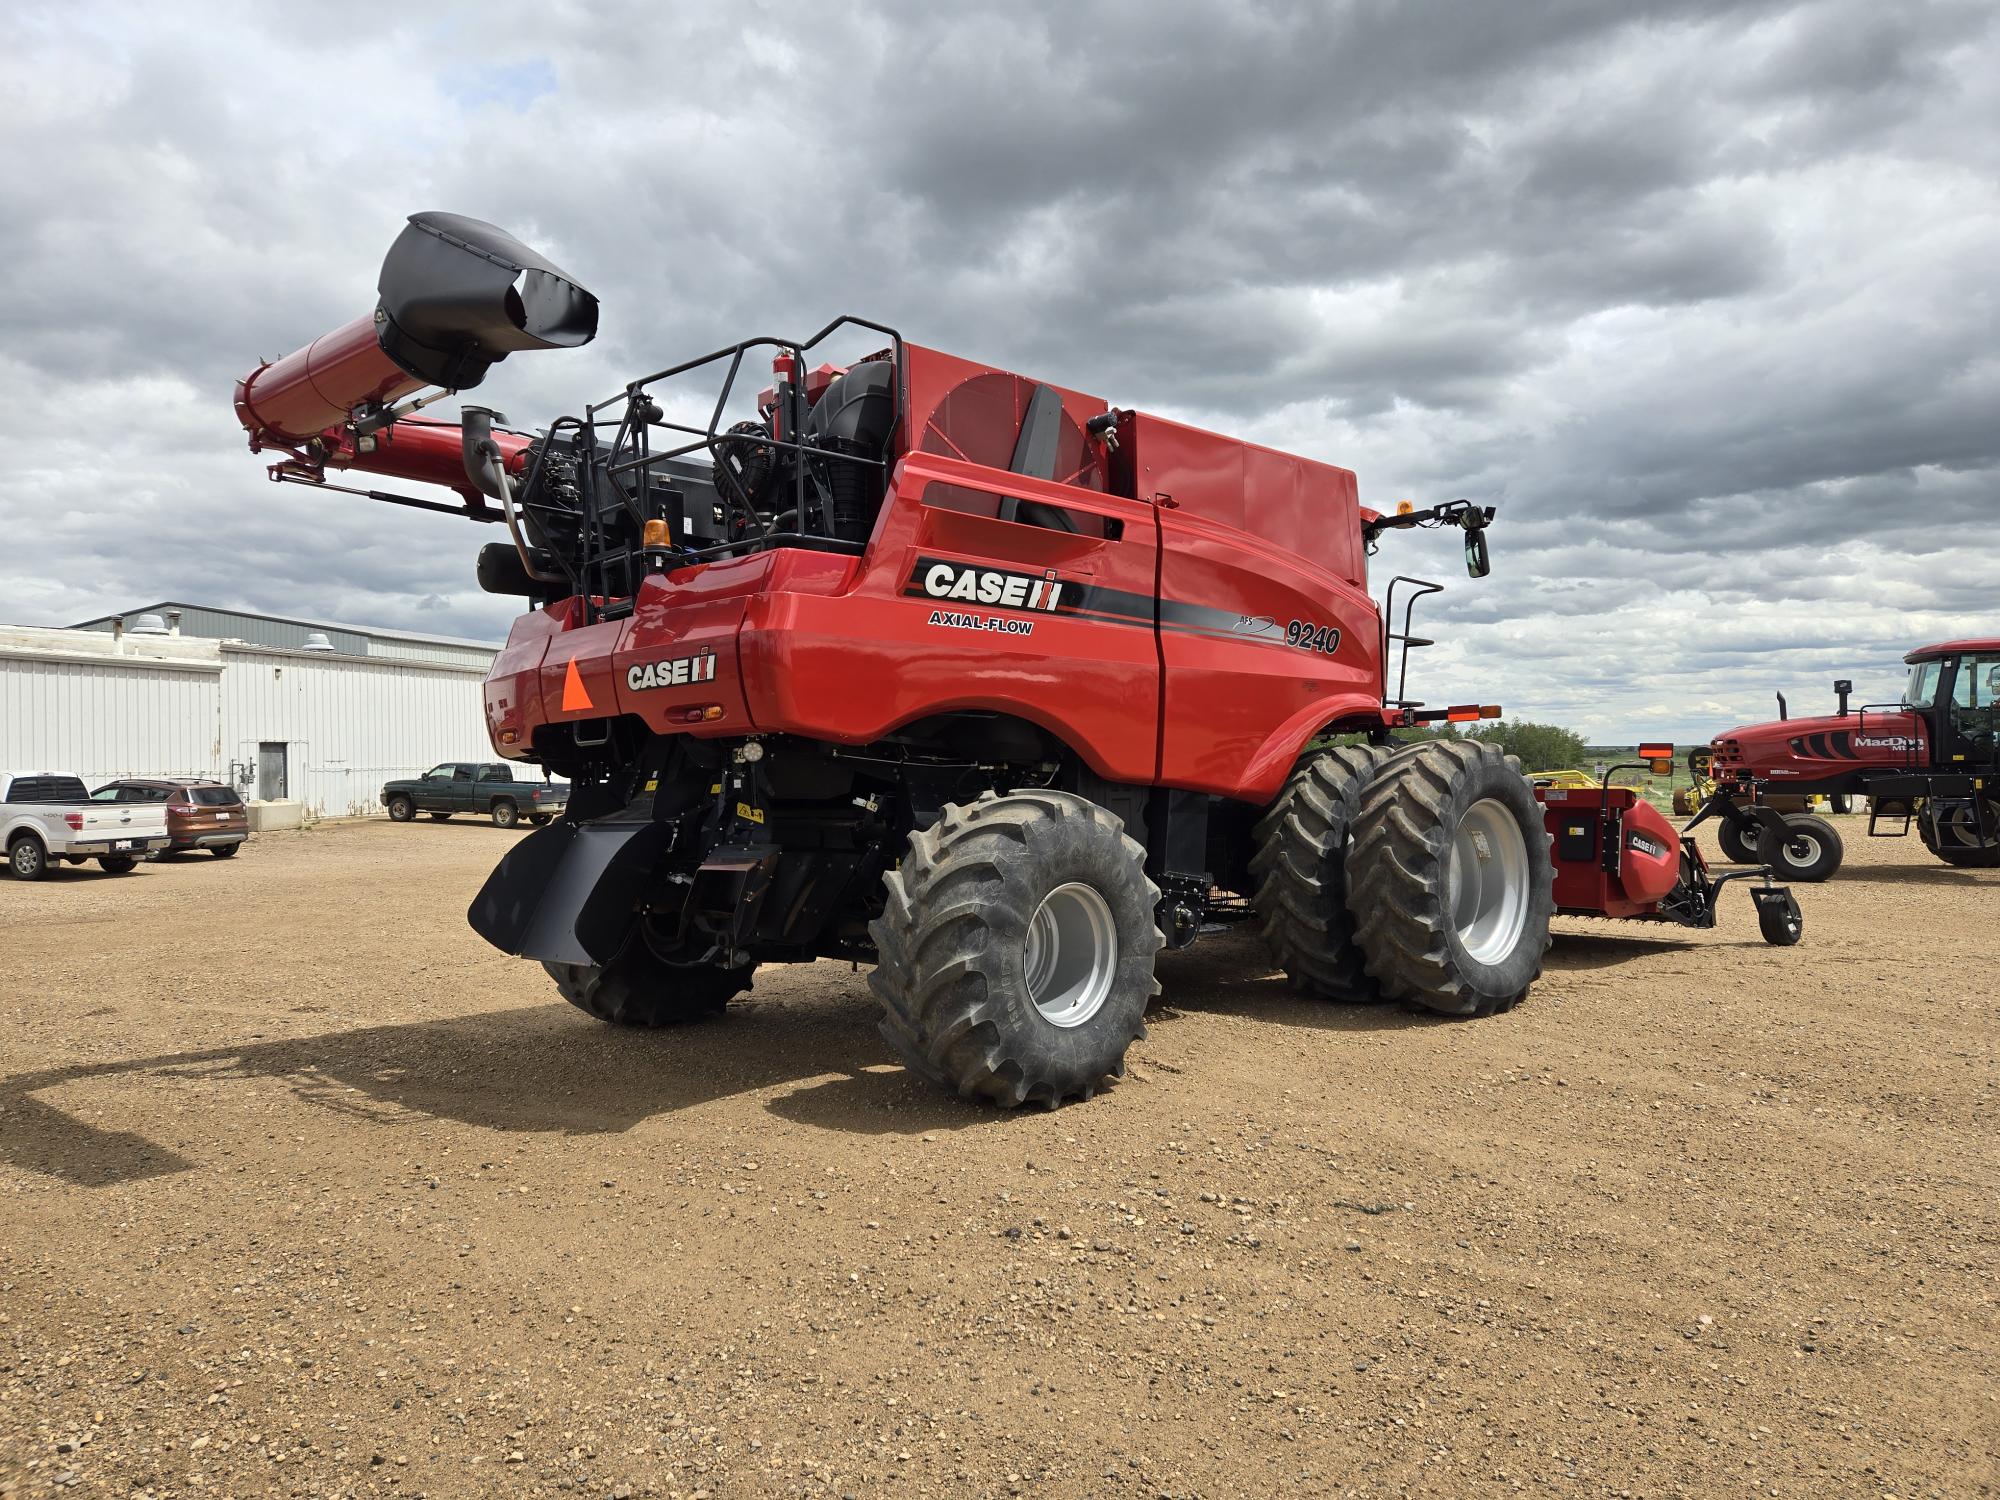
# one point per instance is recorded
(1779, 920)
(1811, 851)
(1449, 879)
(1737, 847)
(1015, 949)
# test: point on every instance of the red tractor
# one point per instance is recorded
(921, 663)
(1931, 760)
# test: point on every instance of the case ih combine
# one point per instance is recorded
(924, 664)
(1931, 760)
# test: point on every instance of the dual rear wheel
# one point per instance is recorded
(1420, 874)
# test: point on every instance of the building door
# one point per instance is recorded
(271, 771)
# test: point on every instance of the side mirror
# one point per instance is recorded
(1478, 561)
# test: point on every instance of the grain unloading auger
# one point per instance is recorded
(918, 662)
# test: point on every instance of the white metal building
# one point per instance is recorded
(324, 728)
(211, 623)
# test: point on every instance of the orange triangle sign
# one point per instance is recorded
(574, 696)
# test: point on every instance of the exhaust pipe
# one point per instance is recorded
(1842, 686)
(457, 296)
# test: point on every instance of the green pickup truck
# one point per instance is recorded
(462, 787)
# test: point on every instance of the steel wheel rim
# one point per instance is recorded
(24, 858)
(1966, 825)
(1070, 955)
(1802, 849)
(1487, 885)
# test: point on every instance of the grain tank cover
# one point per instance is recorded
(459, 295)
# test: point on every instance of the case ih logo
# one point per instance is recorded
(675, 671)
(976, 585)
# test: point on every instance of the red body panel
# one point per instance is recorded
(1649, 852)
(1828, 754)
(850, 661)
(1240, 696)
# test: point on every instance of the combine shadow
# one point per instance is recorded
(541, 1070)
(1232, 975)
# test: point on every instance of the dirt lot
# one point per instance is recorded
(307, 1192)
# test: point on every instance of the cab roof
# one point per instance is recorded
(1952, 648)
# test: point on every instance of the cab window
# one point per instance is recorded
(106, 794)
(1922, 691)
(1978, 682)
(441, 773)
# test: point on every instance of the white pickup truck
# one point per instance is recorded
(46, 818)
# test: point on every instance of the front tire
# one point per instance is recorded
(439, 817)
(1810, 851)
(505, 814)
(1015, 949)
(1300, 869)
(118, 864)
(224, 851)
(1449, 879)
(401, 809)
(27, 858)
(637, 989)
(1957, 840)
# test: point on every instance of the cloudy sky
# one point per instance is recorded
(1701, 295)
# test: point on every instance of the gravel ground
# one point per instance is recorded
(304, 1191)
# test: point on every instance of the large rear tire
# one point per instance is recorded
(1300, 869)
(638, 989)
(1015, 949)
(1811, 851)
(1957, 841)
(1449, 879)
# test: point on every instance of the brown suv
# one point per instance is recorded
(200, 814)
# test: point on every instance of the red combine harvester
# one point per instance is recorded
(1932, 760)
(916, 662)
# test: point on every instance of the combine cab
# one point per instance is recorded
(1930, 761)
(908, 660)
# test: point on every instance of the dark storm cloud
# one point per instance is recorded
(1698, 293)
